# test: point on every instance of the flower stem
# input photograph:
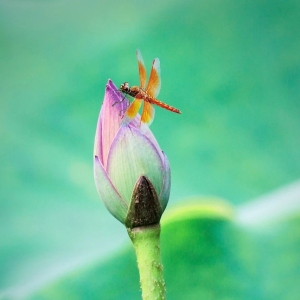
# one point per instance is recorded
(146, 242)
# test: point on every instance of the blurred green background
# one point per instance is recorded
(232, 68)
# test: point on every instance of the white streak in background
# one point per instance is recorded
(50, 271)
(47, 275)
(270, 207)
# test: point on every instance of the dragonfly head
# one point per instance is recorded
(124, 87)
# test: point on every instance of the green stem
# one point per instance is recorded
(146, 242)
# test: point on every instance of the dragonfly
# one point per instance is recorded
(145, 94)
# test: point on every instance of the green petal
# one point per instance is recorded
(165, 192)
(108, 193)
(131, 156)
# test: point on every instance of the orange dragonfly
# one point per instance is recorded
(148, 94)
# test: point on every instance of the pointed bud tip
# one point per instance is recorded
(144, 209)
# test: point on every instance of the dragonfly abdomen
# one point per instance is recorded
(162, 104)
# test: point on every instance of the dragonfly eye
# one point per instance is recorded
(124, 86)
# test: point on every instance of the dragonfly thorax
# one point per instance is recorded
(131, 91)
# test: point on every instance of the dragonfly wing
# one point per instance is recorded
(148, 113)
(131, 111)
(154, 83)
(142, 69)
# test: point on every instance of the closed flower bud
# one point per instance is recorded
(132, 174)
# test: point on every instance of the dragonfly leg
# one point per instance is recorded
(119, 101)
(121, 112)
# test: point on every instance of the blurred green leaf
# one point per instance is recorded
(205, 256)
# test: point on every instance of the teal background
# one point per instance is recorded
(232, 68)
